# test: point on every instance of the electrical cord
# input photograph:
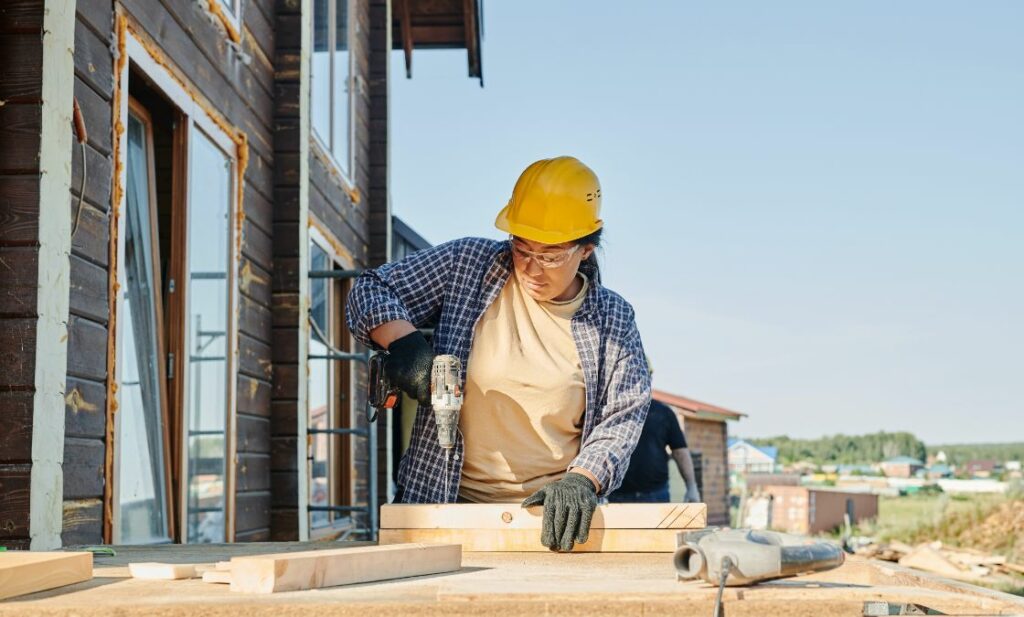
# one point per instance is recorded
(727, 566)
(82, 136)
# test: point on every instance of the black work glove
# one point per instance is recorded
(410, 360)
(569, 506)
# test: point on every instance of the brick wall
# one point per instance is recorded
(708, 437)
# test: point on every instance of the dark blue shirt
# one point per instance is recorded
(648, 467)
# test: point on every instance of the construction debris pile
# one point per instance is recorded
(963, 564)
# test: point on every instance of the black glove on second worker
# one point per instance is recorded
(569, 506)
(410, 360)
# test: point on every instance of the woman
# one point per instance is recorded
(556, 386)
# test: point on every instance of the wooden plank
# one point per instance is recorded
(151, 570)
(23, 68)
(528, 540)
(83, 468)
(512, 516)
(20, 127)
(15, 426)
(24, 572)
(93, 62)
(88, 294)
(252, 512)
(344, 566)
(85, 409)
(87, 349)
(17, 357)
(19, 282)
(82, 522)
(19, 210)
(253, 396)
(14, 502)
(217, 576)
(253, 434)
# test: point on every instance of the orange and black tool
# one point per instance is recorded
(382, 395)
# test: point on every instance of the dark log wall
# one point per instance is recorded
(21, 60)
(86, 391)
(284, 522)
(341, 211)
(379, 211)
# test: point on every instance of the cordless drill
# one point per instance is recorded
(445, 394)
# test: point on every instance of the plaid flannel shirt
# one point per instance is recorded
(452, 285)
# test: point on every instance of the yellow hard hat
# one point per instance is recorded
(555, 200)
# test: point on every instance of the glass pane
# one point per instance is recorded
(208, 258)
(320, 80)
(141, 489)
(342, 97)
(319, 390)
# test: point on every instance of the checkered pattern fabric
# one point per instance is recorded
(451, 285)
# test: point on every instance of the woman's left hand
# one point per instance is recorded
(569, 506)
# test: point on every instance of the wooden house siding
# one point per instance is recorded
(21, 24)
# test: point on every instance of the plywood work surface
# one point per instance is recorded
(23, 572)
(512, 516)
(499, 584)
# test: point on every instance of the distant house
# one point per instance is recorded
(939, 470)
(807, 510)
(902, 467)
(980, 469)
(707, 434)
(747, 458)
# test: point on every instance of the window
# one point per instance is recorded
(331, 79)
(141, 492)
(208, 300)
(175, 321)
(329, 455)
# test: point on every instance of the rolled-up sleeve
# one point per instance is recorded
(607, 449)
(411, 289)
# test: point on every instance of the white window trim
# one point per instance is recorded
(198, 118)
(345, 173)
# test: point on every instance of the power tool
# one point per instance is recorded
(745, 556)
(445, 394)
(726, 557)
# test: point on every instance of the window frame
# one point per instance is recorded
(341, 380)
(191, 117)
(324, 145)
(137, 109)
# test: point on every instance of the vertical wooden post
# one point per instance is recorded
(53, 294)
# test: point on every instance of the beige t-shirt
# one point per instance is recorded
(522, 415)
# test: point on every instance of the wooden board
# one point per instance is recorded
(162, 571)
(512, 516)
(528, 540)
(23, 572)
(344, 566)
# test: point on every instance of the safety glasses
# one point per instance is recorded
(544, 260)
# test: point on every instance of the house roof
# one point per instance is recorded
(691, 408)
(770, 451)
(903, 460)
(439, 24)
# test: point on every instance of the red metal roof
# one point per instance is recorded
(692, 408)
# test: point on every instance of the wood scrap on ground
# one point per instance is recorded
(217, 576)
(344, 566)
(616, 528)
(162, 571)
(23, 572)
(963, 564)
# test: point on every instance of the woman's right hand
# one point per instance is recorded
(410, 359)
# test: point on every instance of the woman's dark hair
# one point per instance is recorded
(589, 266)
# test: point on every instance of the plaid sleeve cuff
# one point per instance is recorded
(370, 308)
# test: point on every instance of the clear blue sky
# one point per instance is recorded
(816, 208)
